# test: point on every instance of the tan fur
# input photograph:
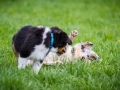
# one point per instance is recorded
(61, 50)
(14, 50)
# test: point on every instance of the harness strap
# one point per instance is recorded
(52, 40)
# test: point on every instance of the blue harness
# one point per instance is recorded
(52, 40)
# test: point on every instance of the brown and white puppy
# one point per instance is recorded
(35, 43)
(80, 51)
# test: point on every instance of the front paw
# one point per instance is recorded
(74, 33)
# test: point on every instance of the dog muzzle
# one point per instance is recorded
(61, 51)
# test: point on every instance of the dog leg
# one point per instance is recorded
(36, 66)
(22, 62)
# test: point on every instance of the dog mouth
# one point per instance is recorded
(61, 51)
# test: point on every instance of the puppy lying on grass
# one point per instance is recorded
(80, 51)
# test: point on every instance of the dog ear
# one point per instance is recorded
(88, 45)
(64, 38)
(69, 41)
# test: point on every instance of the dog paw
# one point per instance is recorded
(74, 33)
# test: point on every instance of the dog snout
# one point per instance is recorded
(98, 58)
(94, 57)
(64, 50)
(61, 50)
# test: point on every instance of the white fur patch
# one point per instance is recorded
(22, 62)
(36, 66)
(39, 52)
(54, 50)
(47, 29)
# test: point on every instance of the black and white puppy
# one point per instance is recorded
(35, 43)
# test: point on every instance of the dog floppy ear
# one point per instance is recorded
(69, 41)
(64, 38)
(88, 45)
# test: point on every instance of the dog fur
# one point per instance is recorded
(32, 42)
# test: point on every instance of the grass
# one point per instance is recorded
(97, 21)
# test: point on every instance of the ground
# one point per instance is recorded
(97, 21)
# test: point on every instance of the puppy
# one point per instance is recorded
(35, 43)
(80, 51)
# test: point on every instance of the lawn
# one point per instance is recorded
(97, 21)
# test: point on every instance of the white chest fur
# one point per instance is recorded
(39, 52)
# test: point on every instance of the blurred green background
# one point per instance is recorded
(97, 21)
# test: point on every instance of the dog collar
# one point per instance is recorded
(52, 40)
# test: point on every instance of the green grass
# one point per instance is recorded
(97, 21)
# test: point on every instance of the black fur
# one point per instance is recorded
(26, 38)
(61, 38)
(29, 36)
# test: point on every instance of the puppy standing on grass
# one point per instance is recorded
(35, 43)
